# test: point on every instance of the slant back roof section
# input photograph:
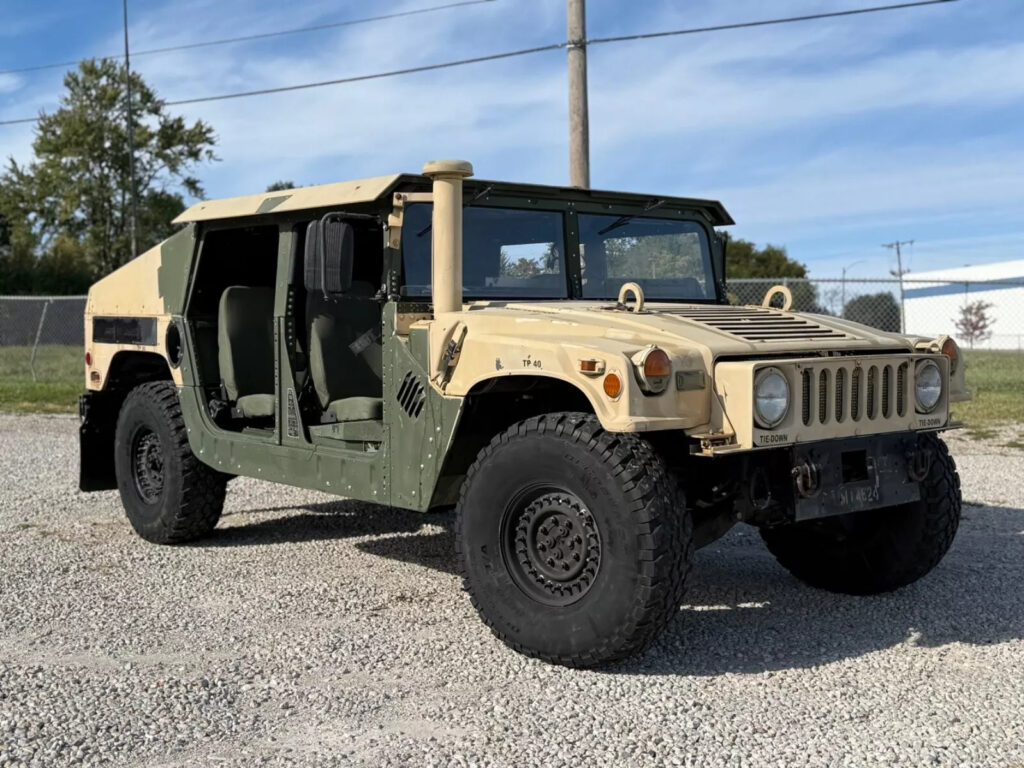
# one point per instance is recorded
(368, 190)
(298, 199)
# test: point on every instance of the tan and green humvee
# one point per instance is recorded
(560, 365)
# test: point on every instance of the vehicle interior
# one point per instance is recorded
(340, 300)
(231, 316)
(332, 326)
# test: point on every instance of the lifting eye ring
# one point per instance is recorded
(786, 294)
(638, 296)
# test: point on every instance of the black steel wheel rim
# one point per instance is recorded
(147, 459)
(552, 546)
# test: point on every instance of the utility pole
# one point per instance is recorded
(579, 120)
(899, 272)
(131, 138)
(848, 266)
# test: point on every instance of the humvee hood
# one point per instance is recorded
(721, 331)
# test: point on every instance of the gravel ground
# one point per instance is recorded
(312, 631)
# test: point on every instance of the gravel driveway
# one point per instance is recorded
(312, 631)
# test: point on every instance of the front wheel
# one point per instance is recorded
(169, 495)
(878, 550)
(572, 544)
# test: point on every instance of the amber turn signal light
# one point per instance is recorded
(653, 368)
(612, 385)
(952, 351)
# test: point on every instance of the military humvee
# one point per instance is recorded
(561, 365)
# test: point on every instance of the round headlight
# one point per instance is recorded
(771, 397)
(927, 385)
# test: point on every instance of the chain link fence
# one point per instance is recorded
(41, 337)
(978, 314)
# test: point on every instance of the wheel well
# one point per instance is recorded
(99, 411)
(491, 407)
(129, 369)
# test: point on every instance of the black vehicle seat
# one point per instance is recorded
(345, 354)
(245, 349)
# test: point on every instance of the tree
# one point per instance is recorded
(768, 266)
(743, 259)
(74, 197)
(17, 251)
(280, 186)
(543, 263)
(879, 310)
(974, 323)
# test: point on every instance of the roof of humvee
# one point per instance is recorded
(371, 189)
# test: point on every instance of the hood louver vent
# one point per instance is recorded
(759, 324)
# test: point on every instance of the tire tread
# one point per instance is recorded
(663, 529)
(203, 488)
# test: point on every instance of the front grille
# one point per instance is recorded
(832, 393)
(758, 324)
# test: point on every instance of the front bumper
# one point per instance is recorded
(853, 475)
(833, 477)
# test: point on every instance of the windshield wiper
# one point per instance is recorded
(626, 218)
(482, 193)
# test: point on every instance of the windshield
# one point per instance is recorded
(670, 259)
(507, 253)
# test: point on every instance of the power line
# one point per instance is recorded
(525, 52)
(375, 76)
(258, 36)
(766, 22)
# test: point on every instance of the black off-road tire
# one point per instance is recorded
(605, 496)
(867, 553)
(170, 496)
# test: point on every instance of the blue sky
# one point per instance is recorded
(829, 137)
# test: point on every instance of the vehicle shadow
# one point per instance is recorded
(743, 613)
(328, 520)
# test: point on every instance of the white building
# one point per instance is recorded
(933, 301)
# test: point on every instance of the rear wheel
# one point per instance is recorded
(878, 550)
(168, 494)
(573, 544)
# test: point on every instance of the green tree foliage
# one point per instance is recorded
(665, 257)
(70, 205)
(879, 310)
(743, 259)
(280, 186)
(547, 262)
(770, 265)
(17, 251)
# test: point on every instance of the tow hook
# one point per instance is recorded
(807, 477)
(760, 490)
(919, 464)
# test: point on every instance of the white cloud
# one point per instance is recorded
(690, 115)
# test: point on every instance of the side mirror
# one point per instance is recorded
(329, 257)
